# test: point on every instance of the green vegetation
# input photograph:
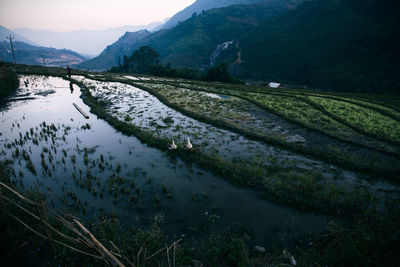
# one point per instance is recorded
(330, 45)
(141, 60)
(275, 182)
(299, 112)
(8, 81)
(372, 240)
(335, 118)
(219, 74)
(145, 60)
(191, 43)
(365, 120)
(337, 142)
(377, 107)
(29, 54)
(39, 70)
(335, 45)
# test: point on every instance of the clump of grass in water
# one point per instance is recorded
(127, 118)
(164, 189)
(45, 167)
(86, 126)
(73, 159)
(118, 169)
(168, 120)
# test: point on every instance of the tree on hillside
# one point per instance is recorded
(125, 64)
(143, 59)
(219, 74)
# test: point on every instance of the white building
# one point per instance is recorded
(274, 85)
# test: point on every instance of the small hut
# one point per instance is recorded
(274, 85)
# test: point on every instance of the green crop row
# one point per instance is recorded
(293, 107)
(366, 120)
(222, 113)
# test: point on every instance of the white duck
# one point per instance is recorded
(172, 146)
(188, 145)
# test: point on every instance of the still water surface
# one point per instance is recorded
(92, 167)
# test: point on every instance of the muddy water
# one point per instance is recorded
(84, 165)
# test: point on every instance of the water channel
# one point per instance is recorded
(86, 166)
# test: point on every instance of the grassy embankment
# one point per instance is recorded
(274, 182)
(375, 157)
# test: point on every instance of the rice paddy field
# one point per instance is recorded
(269, 168)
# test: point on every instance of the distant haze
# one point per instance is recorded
(86, 42)
(4, 33)
(69, 15)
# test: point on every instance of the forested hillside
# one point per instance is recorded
(33, 55)
(337, 45)
(348, 45)
(199, 6)
(191, 43)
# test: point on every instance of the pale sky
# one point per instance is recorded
(67, 15)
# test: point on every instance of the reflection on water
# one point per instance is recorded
(133, 105)
(71, 88)
(85, 165)
(140, 108)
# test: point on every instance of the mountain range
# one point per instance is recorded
(32, 55)
(27, 52)
(86, 42)
(191, 43)
(338, 45)
(198, 7)
(4, 33)
(112, 55)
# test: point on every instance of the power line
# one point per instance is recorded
(12, 47)
(44, 64)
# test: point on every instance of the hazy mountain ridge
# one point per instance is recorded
(91, 42)
(191, 43)
(5, 32)
(32, 55)
(338, 45)
(109, 57)
(198, 7)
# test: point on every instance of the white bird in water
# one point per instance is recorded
(188, 145)
(172, 146)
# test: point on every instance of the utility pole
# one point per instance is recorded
(12, 47)
(44, 63)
